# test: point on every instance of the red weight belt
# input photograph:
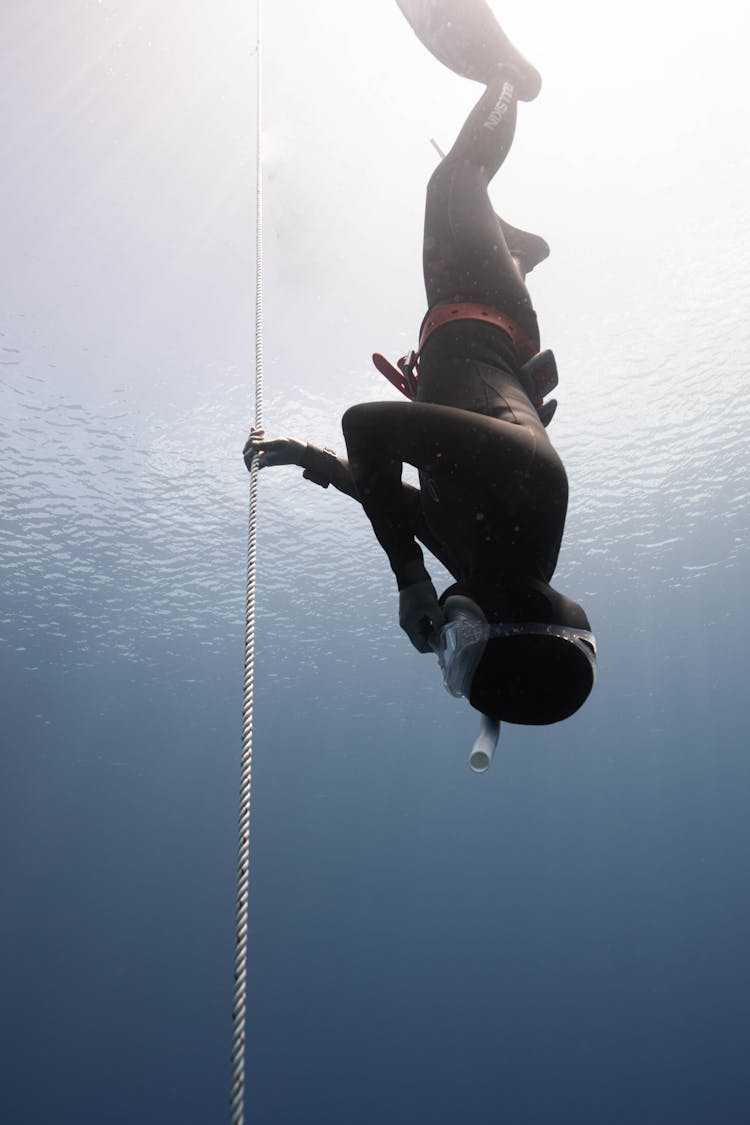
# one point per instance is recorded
(468, 310)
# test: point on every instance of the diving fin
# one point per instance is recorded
(465, 36)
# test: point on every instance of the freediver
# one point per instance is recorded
(493, 492)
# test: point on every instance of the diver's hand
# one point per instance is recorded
(419, 614)
(276, 451)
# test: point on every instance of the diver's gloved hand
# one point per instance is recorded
(278, 451)
(419, 614)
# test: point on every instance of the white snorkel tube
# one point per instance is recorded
(483, 750)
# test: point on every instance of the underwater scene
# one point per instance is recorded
(560, 939)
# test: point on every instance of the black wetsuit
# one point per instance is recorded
(493, 491)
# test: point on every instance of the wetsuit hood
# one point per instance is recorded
(534, 676)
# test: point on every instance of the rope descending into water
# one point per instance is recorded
(246, 761)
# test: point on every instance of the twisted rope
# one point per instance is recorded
(243, 857)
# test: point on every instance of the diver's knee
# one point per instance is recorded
(354, 417)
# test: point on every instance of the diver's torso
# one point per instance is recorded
(472, 366)
(503, 510)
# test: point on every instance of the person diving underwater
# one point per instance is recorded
(493, 492)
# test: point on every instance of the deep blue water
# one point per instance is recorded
(563, 940)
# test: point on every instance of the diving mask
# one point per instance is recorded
(461, 642)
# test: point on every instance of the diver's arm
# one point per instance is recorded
(395, 512)
(324, 468)
(420, 615)
(321, 466)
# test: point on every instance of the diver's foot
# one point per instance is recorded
(527, 248)
(465, 36)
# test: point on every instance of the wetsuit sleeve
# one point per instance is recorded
(376, 466)
(324, 468)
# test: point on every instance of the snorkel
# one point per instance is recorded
(483, 750)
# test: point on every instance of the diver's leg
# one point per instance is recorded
(509, 484)
(465, 256)
(437, 440)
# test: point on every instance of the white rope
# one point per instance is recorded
(243, 857)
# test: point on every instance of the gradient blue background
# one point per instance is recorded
(563, 940)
